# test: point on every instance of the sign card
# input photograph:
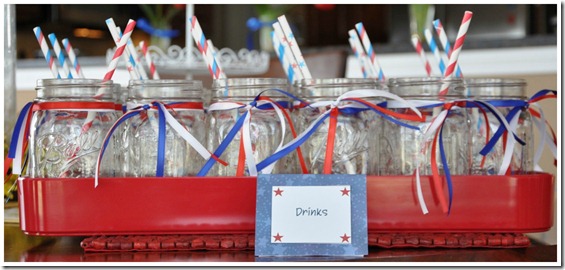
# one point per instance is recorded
(311, 215)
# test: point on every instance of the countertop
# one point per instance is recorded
(22, 248)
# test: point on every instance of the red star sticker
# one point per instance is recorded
(278, 192)
(345, 238)
(278, 237)
(345, 191)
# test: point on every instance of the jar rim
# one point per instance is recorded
(255, 82)
(187, 84)
(488, 81)
(329, 82)
(42, 83)
(423, 80)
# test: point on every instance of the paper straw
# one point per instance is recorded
(133, 74)
(445, 43)
(356, 53)
(369, 49)
(457, 48)
(46, 52)
(418, 46)
(152, 70)
(72, 58)
(297, 75)
(365, 61)
(60, 56)
(279, 50)
(433, 47)
(134, 57)
(198, 35)
(120, 47)
(214, 52)
(293, 45)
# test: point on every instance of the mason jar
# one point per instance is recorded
(140, 140)
(265, 124)
(356, 149)
(501, 93)
(68, 127)
(405, 149)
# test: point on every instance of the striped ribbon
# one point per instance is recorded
(46, 52)
(369, 49)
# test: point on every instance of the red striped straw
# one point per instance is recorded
(72, 57)
(130, 62)
(418, 46)
(198, 35)
(46, 52)
(120, 50)
(149, 61)
(456, 50)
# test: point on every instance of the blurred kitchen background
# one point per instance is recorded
(504, 40)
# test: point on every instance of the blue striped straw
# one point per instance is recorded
(60, 56)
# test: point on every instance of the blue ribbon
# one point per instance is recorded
(287, 149)
(161, 139)
(225, 143)
(543, 93)
(17, 128)
(445, 168)
(161, 143)
(144, 25)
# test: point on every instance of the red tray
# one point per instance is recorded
(226, 205)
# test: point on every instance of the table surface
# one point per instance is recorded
(19, 247)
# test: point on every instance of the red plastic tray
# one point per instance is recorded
(216, 205)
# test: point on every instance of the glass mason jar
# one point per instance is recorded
(403, 149)
(265, 125)
(499, 90)
(140, 140)
(355, 149)
(67, 130)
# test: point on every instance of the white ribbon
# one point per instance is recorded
(18, 158)
(247, 145)
(178, 127)
(544, 138)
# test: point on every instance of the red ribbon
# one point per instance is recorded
(331, 141)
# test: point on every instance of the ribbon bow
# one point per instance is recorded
(165, 117)
(354, 103)
(243, 124)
